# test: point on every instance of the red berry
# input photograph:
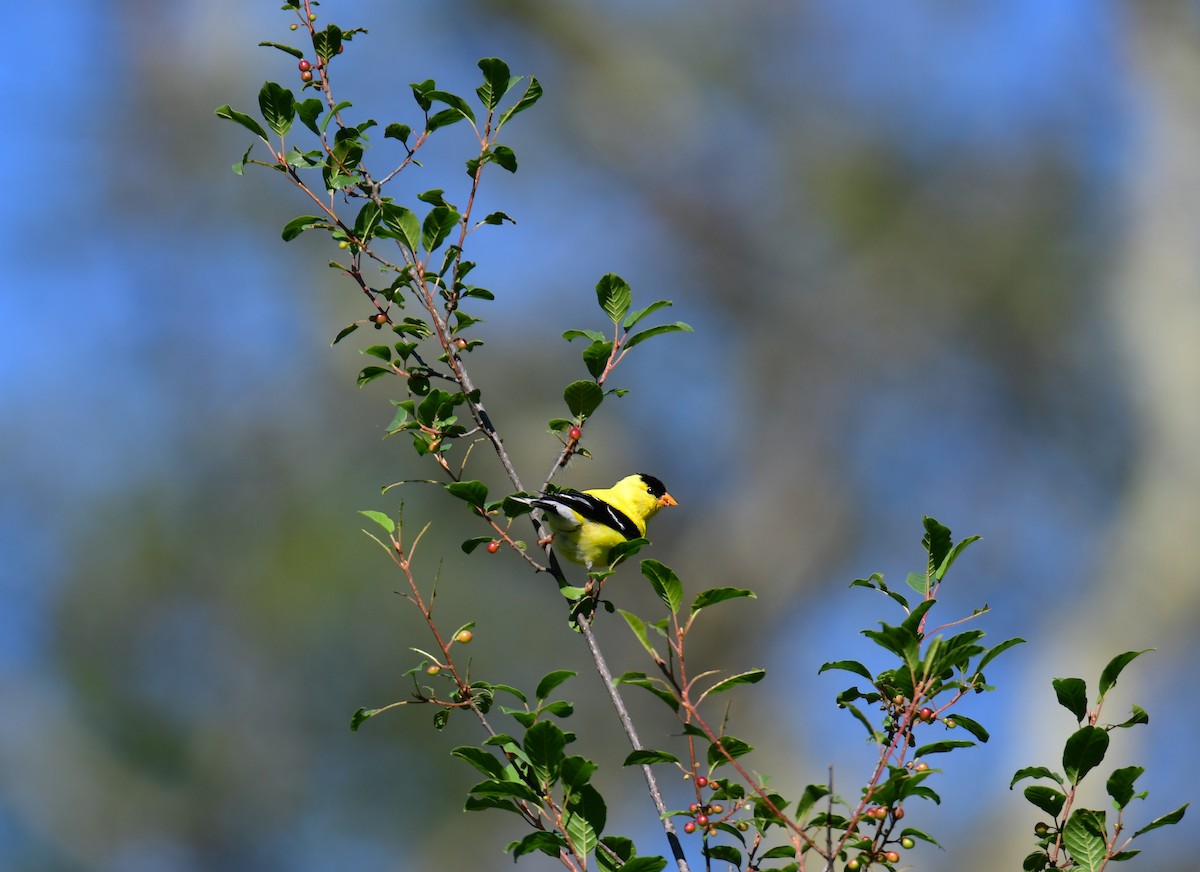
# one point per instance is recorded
(897, 812)
(922, 767)
(460, 343)
(694, 807)
(702, 819)
(926, 714)
(689, 827)
(306, 76)
(493, 547)
(701, 781)
(304, 65)
(574, 433)
(892, 857)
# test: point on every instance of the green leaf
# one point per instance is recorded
(437, 226)
(404, 223)
(1084, 837)
(298, 225)
(515, 789)
(621, 847)
(360, 715)
(586, 816)
(344, 332)
(715, 595)
(1047, 799)
(752, 676)
(456, 103)
(583, 397)
(532, 93)
(781, 851)
(496, 81)
(1083, 751)
(544, 743)
(470, 545)
(665, 583)
(1035, 772)
(397, 131)
(576, 771)
(937, 542)
(1137, 716)
(1120, 784)
(996, 652)
(550, 681)
(596, 357)
(243, 119)
(724, 853)
(900, 641)
(550, 843)
(942, 747)
(614, 295)
(949, 559)
(380, 518)
(383, 352)
(370, 373)
(639, 338)
(644, 864)
(1108, 678)
(918, 581)
(309, 111)
(646, 757)
(971, 726)
(327, 42)
(278, 106)
(294, 52)
(848, 666)
(639, 629)
(504, 157)
(639, 679)
(474, 492)
(594, 335)
(1072, 695)
(1166, 820)
(733, 747)
(481, 760)
(638, 315)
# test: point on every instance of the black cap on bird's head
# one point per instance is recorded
(658, 489)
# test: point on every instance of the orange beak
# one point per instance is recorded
(667, 500)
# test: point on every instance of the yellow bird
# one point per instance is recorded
(588, 523)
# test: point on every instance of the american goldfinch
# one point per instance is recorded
(588, 523)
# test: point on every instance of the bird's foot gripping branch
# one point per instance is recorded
(405, 259)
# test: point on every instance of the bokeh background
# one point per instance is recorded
(941, 258)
